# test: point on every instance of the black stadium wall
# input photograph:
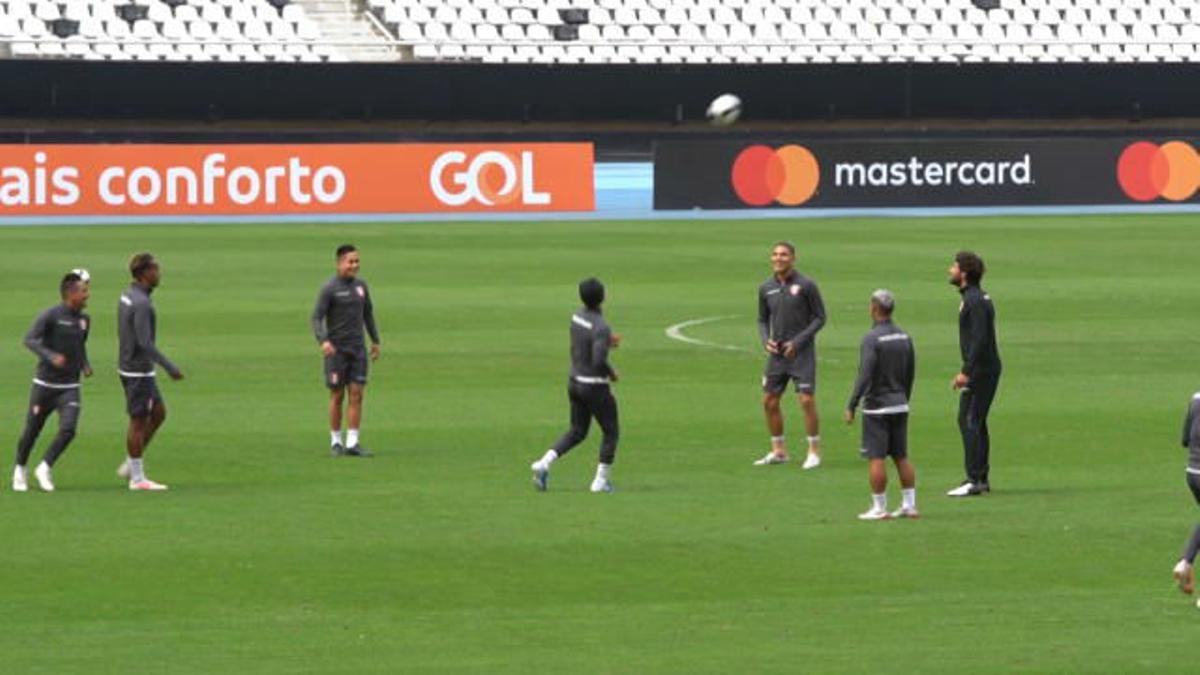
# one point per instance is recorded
(554, 93)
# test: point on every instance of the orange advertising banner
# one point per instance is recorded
(269, 179)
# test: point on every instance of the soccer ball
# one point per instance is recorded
(82, 274)
(724, 110)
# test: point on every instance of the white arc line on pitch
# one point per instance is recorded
(676, 333)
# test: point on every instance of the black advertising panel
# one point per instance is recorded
(793, 173)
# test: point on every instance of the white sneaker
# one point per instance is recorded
(906, 512)
(771, 458)
(602, 485)
(967, 489)
(812, 461)
(19, 482)
(42, 473)
(1185, 576)
(874, 514)
(541, 476)
(146, 484)
(123, 470)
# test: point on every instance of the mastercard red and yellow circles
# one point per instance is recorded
(788, 175)
(1147, 171)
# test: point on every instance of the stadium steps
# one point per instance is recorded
(345, 21)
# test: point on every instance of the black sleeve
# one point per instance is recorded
(976, 316)
(866, 368)
(764, 318)
(369, 315)
(141, 332)
(320, 311)
(911, 376)
(817, 306)
(1187, 426)
(600, 346)
(87, 365)
(35, 339)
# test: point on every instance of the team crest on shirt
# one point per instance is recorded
(794, 289)
(362, 293)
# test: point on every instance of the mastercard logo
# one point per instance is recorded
(1147, 171)
(763, 175)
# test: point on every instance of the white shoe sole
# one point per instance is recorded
(811, 463)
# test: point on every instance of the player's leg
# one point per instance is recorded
(356, 391)
(985, 394)
(69, 411)
(874, 448)
(604, 408)
(336, 372)
(1184, 571)
(898, 449)
(968, 427)
(581, 422)
(147, 412)
(35, 420)
(774, 383)
(804, 371)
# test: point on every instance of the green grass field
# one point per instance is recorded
(437, 555)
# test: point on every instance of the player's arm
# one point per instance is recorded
(141, 333)
(369, 321)
(817, 307)
(910, 376)
(601, 342)
(764, 323)
(976, 336)
(35, 341)
(866, 368)
(319, 327)
(87, 364)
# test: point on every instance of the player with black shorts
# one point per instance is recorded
(887, 368)
(589, 389)
(1184, 571)
(790, 312)
(137, 330)
(343, 308)
(59, 338)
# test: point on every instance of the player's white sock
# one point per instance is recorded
(880, 501)
(352, 438)
(814, 444)
(547, 459)
(602, 471)
(335, 437)
(910, 498)
(136, 474)
(778, 445)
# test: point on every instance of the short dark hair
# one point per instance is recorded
(68, 282)
(591, 292)
(786, 244)
(141, 262)
(344, 249)
(971, 266)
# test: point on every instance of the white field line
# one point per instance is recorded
(676, 333)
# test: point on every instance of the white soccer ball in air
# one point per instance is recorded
(82, 274)
(724, 110)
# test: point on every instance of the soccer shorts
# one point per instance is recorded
(801, 369)
(885, 436)
(141, 395)
(45, 400)
(346, 366)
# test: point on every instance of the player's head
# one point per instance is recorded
(144, 269)
(74, 290)
(967, 269)
(347, 261)
(883, 303)
(591, 292)
(783, 256)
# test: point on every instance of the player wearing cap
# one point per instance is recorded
(887, 367)
(589, 388)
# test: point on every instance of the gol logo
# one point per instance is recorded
(491, 178)
(788, 175)
(1147, 171)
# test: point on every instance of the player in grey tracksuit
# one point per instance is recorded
(790, 312)
(343, 309)
(589, 388)
(887, 368)
(1184, 573)
(137, 331)
(59, 339)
